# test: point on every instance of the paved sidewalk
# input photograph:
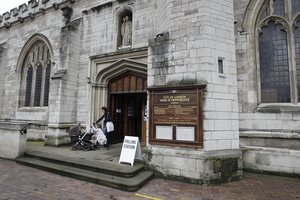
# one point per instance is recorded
(19, 182)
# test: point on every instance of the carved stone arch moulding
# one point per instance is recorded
(277, 20)
(28, 45)
(251, 14)
(296, 20)
(118, 68)
(28, 67)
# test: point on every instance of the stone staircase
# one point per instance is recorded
(103, 172)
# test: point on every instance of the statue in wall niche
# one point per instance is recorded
(126, 32)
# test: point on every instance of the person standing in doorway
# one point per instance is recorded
(106, 118)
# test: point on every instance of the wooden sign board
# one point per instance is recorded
(131, 150)
(176, 115)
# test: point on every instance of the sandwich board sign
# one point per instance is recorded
(131, 150)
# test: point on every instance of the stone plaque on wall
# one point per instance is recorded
(176, 115)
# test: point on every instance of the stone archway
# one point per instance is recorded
(119, 69)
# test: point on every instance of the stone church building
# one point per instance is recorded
(210, 87)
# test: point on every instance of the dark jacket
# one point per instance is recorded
(106, 116)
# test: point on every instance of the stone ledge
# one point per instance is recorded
(195, 166)
(277, 108)
(272, 160)
(270, 134)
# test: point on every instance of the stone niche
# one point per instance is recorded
(124, 39)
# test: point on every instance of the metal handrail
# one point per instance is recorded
(23, 130)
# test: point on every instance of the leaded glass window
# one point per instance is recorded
(36, 77)
(28, 85)
(279, 7)
(47, 84)
(297, 52)
(295, 6)
(273, 50)
(38, 85)
(278, 39)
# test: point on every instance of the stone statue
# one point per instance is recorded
(126, 32)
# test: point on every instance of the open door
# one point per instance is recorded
(127, 103)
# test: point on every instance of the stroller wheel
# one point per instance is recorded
(73, 148)
(86, 147)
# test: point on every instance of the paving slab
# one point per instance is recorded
(25, 183)
(101, 153)
(22, 182)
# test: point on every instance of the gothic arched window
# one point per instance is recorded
(278, 39)
(36, 76)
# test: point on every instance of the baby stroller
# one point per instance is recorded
(81, 141)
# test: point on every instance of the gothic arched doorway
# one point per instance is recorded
(120, 84)
(127, 100)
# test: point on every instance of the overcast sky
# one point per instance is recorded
(7, 5)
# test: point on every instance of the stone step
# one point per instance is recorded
(131, 184)
(107, 167)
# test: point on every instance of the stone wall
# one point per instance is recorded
(15, 38)
(253, 116)
(92, 31)
(3, 55)
(99, 32)
(189, 54)
(271, 130)
(186, 52)
(185, 40)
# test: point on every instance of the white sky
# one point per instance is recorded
(7, 5)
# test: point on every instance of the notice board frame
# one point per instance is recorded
(176, 106)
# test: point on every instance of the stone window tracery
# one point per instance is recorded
(278, 40)
(36, 76)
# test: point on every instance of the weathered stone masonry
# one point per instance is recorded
(174, 43)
